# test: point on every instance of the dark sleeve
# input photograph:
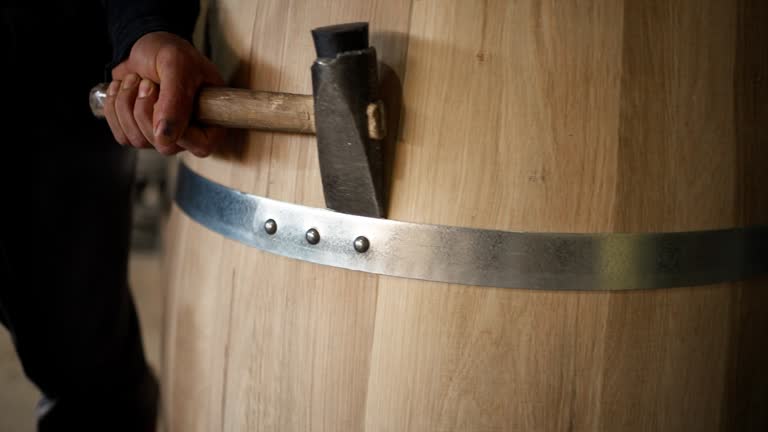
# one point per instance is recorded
(128, 20)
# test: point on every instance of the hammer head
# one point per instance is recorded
(345, 85)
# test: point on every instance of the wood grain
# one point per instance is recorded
(533, 115)
(247, 109)
(307, 312)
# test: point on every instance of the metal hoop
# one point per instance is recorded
(557, 261)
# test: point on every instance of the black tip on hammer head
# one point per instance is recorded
(333, 40)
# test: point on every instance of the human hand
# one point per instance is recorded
(150, 100)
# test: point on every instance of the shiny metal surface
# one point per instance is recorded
(344, 84)
(312, 236)
(362, 244)
(270, 226)
(478, 257)
(96, 99)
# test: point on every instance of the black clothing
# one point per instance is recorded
(128, 20)
(64, 231)
(53, 54)
(64, 294)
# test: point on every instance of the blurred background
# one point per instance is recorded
(152, 199)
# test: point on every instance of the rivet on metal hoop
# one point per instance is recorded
(270, 226)
(312, 236)
(362, 244)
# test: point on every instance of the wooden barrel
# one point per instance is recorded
(589, 116)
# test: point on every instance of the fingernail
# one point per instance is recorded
(145, 88)
(165, 128)
(113, 87)
(129, 81)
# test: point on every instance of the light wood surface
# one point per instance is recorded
(584, 116)
(246, 109)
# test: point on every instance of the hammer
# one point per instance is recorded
(344, 112)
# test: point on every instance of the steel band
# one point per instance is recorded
(558, 261)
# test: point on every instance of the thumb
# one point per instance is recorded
(174, 106)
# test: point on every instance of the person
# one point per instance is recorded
(64, 228)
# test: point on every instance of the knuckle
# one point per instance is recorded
(169, 56)
(113, 88)
(124, 93)
(129, 82)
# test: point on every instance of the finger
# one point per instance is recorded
(143, 111)
(201, 141)
(174, 104)
(111, 115)
(126, 98)
(144, 107)
(120, 71)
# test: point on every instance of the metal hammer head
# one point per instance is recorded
(345, 90)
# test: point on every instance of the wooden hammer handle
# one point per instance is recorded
(240, 108)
